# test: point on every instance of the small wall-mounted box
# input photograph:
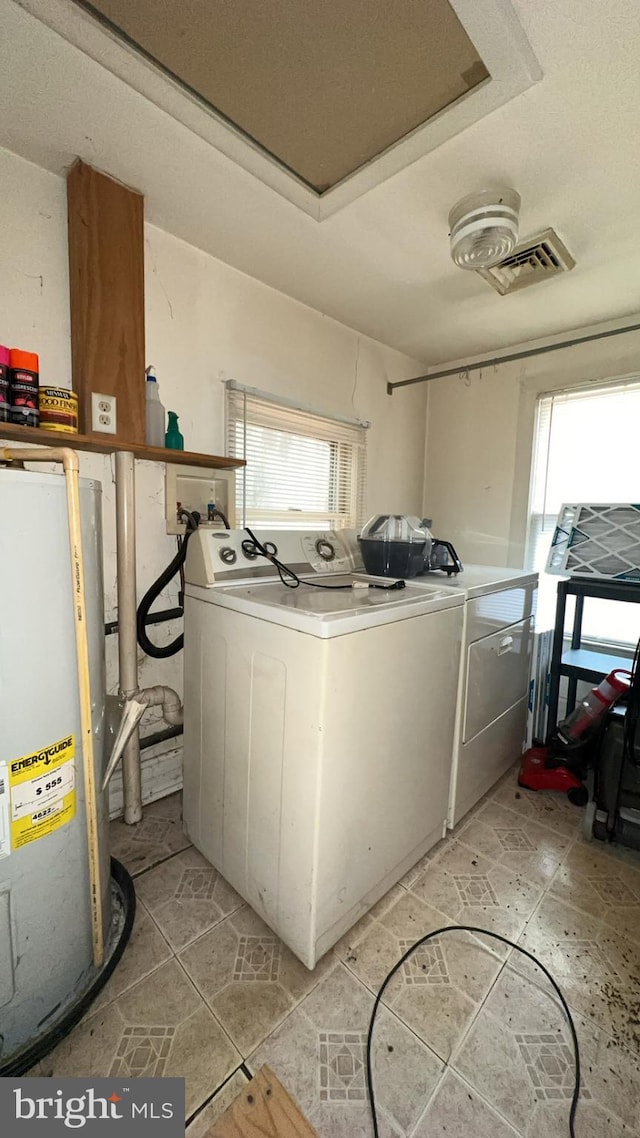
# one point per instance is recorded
(193, 488)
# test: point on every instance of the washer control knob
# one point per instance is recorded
(325, 549)
(228, 555)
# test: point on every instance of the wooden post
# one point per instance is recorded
(106, 288)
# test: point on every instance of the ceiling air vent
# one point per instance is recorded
(538, 259)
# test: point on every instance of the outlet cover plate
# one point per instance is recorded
(103, 413)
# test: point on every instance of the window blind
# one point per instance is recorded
(304, 470)
(585, 450)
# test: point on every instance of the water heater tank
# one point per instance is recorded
(46, 952)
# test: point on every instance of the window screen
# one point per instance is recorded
(304, 470)
(585, 450)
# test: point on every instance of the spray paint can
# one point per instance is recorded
(24, 379)
(5, 398)
(58, 409)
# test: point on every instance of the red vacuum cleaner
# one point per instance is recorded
(560, 765)
(539, 770)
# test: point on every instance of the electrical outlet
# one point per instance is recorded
(103, 413)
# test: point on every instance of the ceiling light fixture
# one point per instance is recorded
(484, 228)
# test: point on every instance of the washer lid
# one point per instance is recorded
(329, 612)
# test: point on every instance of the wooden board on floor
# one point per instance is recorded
(263, 1110)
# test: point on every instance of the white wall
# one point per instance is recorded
(205, 322)
(480, 434)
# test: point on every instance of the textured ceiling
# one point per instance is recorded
(324, 87)
(570, 145)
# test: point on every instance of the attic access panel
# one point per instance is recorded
(323, 87)
(492, 27)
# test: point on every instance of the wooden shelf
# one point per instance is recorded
(106, 445)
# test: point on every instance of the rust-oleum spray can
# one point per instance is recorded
(24, 379)
(5, 399)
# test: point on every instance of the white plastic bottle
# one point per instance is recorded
(155, 411)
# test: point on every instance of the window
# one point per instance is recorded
(585, 450)
(304, 470)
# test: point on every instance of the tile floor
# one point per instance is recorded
(470, 1037)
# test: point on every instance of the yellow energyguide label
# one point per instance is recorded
(43, 791)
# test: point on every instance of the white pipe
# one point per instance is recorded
(167, 698)
(69, 460)
(127, 636)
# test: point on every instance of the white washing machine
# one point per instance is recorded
(318, 728)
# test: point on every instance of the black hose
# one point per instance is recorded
(25, 1060)
(216, 513)
(151, 595)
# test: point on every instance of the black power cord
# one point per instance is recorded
(256, 548)
(503, 940)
